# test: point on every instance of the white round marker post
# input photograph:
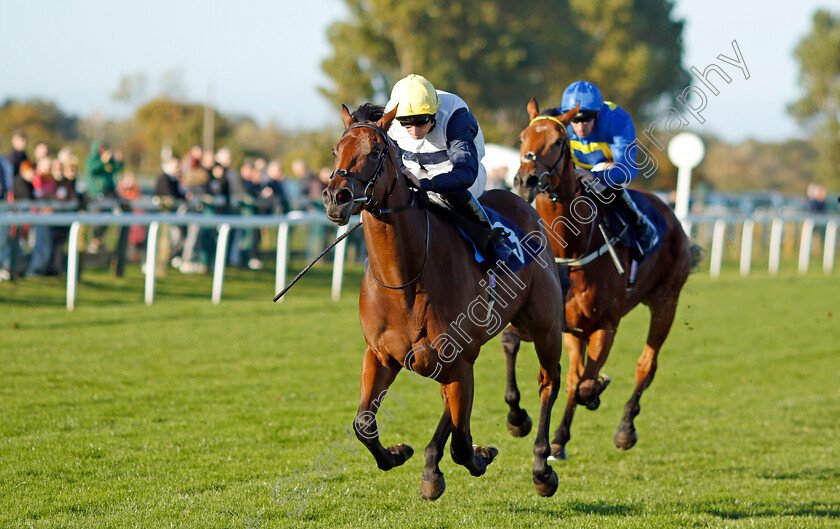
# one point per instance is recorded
(686, 151)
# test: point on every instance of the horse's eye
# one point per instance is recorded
(333, 151)
(374, 152)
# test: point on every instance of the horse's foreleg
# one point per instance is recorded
(432, 483)
(460, 395)
(575, 348)
(376, 379)
(662, 317)
(518, 422)
(545, 479)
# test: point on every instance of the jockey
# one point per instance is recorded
(442, 145)
(602, 138)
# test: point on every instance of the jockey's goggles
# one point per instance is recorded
(585, 116)
(417, 121)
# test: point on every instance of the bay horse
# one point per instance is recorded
(599, 295)
(418, 303)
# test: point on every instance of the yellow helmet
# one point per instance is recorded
(414, 95)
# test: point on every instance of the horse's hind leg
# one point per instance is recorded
(518, 422)
(662, 316)
(432, 483)
(459, 393)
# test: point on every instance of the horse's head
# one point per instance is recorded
(545, 153)
(360, 179)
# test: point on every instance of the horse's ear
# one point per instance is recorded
(346, 117)
(567, 117)
(533, 108)
(385, 122)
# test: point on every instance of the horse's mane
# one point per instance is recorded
(369, 112)
(551, 112)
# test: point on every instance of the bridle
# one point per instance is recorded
(371, 204)
(544, 186)
(544, 179)
(369, 201)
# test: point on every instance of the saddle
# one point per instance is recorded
(623, 229)
(504, 243)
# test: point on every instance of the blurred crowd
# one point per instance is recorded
(197, 181)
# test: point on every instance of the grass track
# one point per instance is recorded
(186, 414)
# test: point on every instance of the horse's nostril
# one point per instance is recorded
(344, 196)
(532, 181)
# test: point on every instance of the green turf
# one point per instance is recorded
(186, 414)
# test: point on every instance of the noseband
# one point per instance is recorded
(544, 179)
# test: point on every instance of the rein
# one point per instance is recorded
(607, 247)
(372, 205)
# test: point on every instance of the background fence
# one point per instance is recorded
(744, 238)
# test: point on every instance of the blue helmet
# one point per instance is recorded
(583, 92)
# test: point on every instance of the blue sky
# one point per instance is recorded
(263, 58)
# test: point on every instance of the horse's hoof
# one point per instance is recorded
(431, 490)
(558, 453)
(625, 439)
(520, 430)
(489, 453)
(548, 487)
(401, 452)
(600, 384)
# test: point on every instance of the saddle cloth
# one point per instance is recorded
(618, 221)
(517, 249)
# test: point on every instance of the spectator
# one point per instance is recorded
(218, 183)
(22, 187)
(22, 191)
(168, 192)
(168, 187)
(42, 150)
(64, 173)
(102, 167)
(245, 246)
(7, 178)
(129, 190)
(193, 177)
(43, 189)
(816, 198)
(275, 189)
(18, 153)
(260, 167)
(496, 179)
(306, 178)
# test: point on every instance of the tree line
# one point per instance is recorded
(496, 54)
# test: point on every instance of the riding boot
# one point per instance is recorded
(646, 232)
(473, 211)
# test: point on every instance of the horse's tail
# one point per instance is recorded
(697, 254)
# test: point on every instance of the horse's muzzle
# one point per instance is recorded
(525, 185)
(338, 203)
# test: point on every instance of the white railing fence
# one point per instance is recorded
(697, 227)
(154, 221)
(725, 228)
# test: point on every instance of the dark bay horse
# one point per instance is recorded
(422, 304)
(599, 295)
